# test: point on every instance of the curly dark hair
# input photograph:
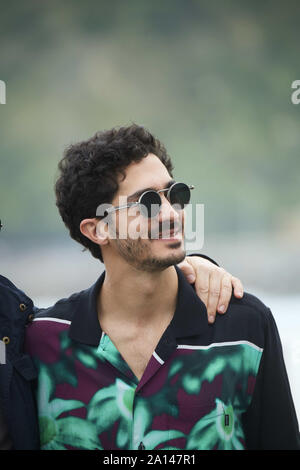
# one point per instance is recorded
(88, 174)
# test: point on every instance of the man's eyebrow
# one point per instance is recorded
(141, 191)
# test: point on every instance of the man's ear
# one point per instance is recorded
(96, 230)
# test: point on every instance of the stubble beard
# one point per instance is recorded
(138, 254)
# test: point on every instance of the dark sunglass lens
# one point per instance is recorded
(180, 194)
(150, 204)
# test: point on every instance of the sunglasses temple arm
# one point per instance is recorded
(113, 209)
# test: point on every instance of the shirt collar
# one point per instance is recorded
(190, 317)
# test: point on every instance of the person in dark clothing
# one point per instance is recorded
(18, 418)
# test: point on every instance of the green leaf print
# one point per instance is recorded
(103, 409)
(111, 404)
(234, 362)
(218, 429)
(143, 421)
(55, 432)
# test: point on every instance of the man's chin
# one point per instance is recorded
(169, 259)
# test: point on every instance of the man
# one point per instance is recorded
(131, 363)
(18, 415)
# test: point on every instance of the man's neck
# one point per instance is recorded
(137, 299)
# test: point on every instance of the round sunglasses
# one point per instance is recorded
(179, 194)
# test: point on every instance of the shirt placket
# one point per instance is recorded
(140, 427)
(137, 428)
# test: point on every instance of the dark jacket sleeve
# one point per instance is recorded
(17, 374)
(270, 422)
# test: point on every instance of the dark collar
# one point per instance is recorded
(190, 317)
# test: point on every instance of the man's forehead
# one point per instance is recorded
(149, 173)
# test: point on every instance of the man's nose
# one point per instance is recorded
(167, 211)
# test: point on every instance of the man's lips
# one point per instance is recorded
(168, 234)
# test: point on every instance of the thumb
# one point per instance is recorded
(188, 271)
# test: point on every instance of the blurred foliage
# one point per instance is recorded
(211, 79)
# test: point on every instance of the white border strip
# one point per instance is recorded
(226, 343)
(57, 320)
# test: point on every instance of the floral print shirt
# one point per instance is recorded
(220, 386)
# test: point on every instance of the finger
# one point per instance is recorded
(237, 286)
(202, 285)
(213, 296)
(225, 293)
(188, 271)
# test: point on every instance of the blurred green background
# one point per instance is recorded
(211, 79)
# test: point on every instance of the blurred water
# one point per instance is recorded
(286, 311)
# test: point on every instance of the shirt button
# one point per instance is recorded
(6, 339)
(22, 307)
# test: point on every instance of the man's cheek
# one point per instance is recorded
(137, 229)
